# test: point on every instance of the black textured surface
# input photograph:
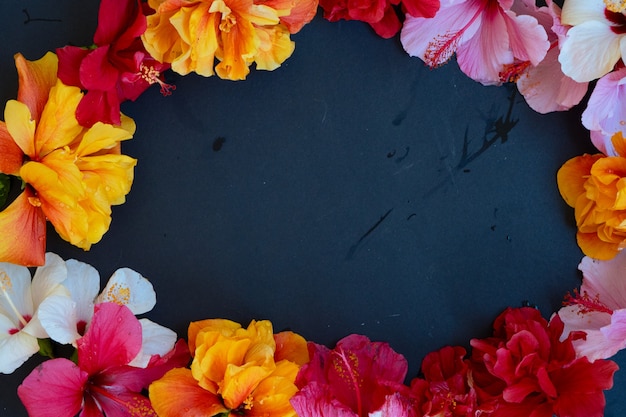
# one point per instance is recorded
(352, 190)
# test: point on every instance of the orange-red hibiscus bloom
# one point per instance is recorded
(72, 174)
(192, 34)
(595, 185)
(235, 372)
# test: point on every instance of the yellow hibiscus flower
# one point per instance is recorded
(235, 372)
(72, 174)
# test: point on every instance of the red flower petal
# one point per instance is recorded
(96, 72)
(119, 20)
(70, 58)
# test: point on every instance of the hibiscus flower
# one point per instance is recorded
(524, 369)
(358, 378)
(485, 34)
(116, 69)
(102, 383)
(72, 174)
(598, 309)
(594, 186)
(595, 42)
(235, 372)
(20, 303)
(192, 34)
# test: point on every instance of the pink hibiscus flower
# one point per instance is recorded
(525, 370)
(545, 87)
(358, 378)
(102, 383)
(605, 113)
(487, 37)
(117, 69)
(598, 309)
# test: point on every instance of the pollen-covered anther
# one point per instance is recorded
(153, 76)
(118, 294)
(616, 6)
(513, 72)
(441, 48)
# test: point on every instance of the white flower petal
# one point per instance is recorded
(156, 340)
(131, 289)
(48, 278)
(15, 350)
(589, 51)
(15, 292)
(57, 316)
(83, 282)
(576, 12)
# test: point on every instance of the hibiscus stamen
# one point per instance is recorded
(5, 286)
(118, 294)
(441, 48)
(228, 21)
(153, 76)
(586, 303)
(513, 72)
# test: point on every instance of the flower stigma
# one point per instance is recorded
(5, 286)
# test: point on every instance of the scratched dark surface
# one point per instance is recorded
(351, 190)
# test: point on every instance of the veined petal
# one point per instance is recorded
(58, 126)
(129, 288)
(16, 300)
(27, 221)
(36, 78)
(155, 340)
(102, 136)
(53, 389)
(274, 48)
(576, 12)
(177, 394)
(15, 350)
(58, 318)
(272, 395)
(114, 172)
(11, 156)
(582, 59)
(48, 279)
(83, 282)
(20, 126)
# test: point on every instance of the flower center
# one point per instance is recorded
(228, 21)
(6, 287)
(586, 303)
(616, 6)
(152, 76)
(617, 19)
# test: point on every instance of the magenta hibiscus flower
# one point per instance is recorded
(102, 383)
(117, 68)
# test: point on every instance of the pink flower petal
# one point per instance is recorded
(53, 389)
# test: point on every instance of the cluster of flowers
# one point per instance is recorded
(529, 366)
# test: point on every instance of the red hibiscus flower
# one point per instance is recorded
(102, 383)
(445, 390)
(356, 378)
(524, 370)
(380, 14)
(117, 68)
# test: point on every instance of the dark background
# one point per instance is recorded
(332, 196)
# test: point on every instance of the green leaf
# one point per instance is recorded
(45, 348)
(5, 186)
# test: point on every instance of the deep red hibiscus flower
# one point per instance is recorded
(117, 68)
(380, 14)
(445, 389)
(524, 370)
(356, 378)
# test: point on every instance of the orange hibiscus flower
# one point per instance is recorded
(235, 372)
(72, 174)
(595, 185)
(192, 34)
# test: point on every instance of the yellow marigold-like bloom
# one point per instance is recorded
(72, 174)
(235, 371)
(192, 34)
(595, 185)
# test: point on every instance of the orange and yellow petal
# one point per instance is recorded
(207, 326)
(240, 381)
(292, 347)
(177, 394)
(272, 395)
(20, 126)
(11, 156)
(593, 246)
(36, 78)
(572, 176)
(274, 48)
(23, 231)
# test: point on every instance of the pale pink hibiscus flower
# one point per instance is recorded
(545, 87)
(489, 39)
(599, 309)
(605, 114)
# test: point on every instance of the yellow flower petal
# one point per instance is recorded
(21, 126)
